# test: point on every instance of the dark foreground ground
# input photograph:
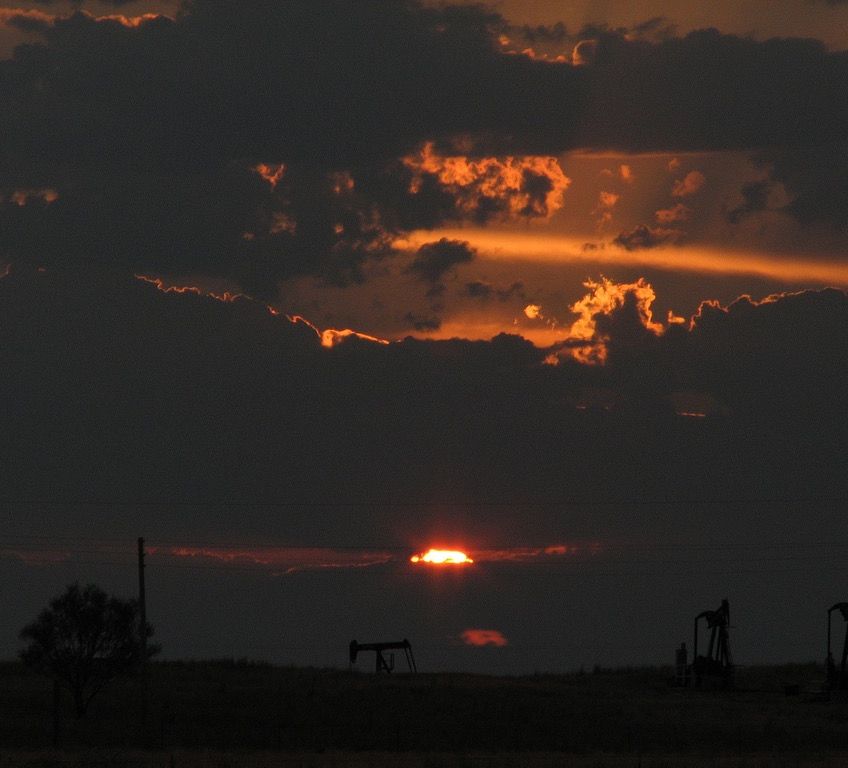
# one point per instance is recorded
(228, 714)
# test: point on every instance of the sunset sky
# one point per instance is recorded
(301, 290)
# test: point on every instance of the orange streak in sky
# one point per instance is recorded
(503, 245)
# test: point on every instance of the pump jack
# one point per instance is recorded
(381, 663)
(718, 663)
(836, 678)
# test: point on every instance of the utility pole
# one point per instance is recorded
(142, 606)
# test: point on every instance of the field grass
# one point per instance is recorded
(226, 714)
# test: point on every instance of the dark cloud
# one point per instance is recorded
(26, 21)
(434, 260)
(543, 33)
(150, 134)
(643, 236)
(816, 180)
(656, 28)
(423, 323)
(157, 171)
(643, 85)
(755, 197)
(118, 390)
(479, 289)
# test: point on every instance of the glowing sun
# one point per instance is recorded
(442, 557)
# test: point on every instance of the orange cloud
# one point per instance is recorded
(604, 298)
(22, 197)
(532, 186)
(606, 202)
(131, 21)
(331, 337)
(483, 637)
(24, 15)
(583, 54)
(26, 18)
(272, 173)
(689, 184)
(524, 554)
(160, 284)
(676, 213)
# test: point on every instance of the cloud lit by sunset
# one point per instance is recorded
(481, 638)
(520, 187)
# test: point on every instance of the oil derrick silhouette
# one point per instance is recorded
(717, 664)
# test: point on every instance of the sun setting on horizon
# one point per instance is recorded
(442, 557)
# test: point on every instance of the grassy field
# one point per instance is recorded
(227, 714)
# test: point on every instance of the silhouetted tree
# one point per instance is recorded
(85, 638)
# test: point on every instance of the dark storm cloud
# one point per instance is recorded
(150, 135)
(712, 91)
(120, 391)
